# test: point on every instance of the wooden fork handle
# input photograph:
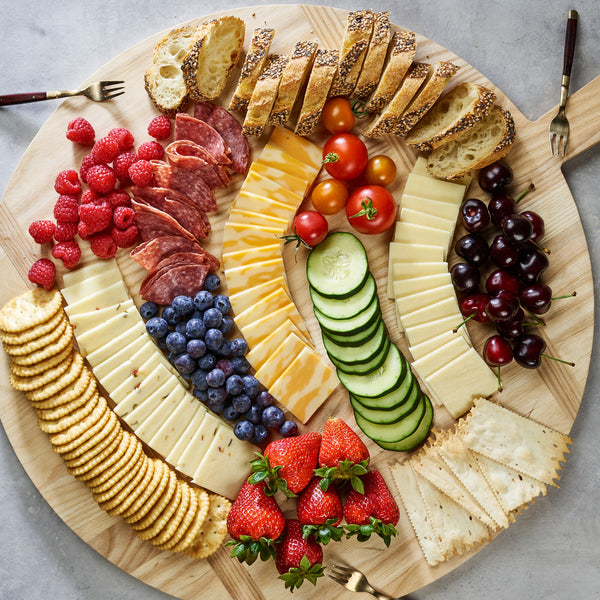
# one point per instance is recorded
(22, 98)
(570, 36)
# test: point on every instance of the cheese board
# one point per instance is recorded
(551, 395)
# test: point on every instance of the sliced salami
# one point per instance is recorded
(170, 262)
(154, 223)
(183, 279)
(190, 128)
(230, 130)
(188, 155)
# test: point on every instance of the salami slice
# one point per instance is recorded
(154, 223)
(170, 262)
(184, 279)
(230, 130)
(149, 254)
(189, 155)
(187, 182)
(190, 128)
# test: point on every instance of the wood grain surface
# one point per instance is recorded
(551, 394)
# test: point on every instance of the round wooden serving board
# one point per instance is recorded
(551, 394)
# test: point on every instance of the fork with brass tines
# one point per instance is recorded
(355, 581)
(98, 91)
(559, 126)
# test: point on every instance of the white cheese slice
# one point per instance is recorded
(145, 379)
(427, 330)
(116, 369)
(419, 234)
(412, 302)
(414, 285)
(112, 294)
(85, 321)
(194, 452)
(97, 267)
(120, 341)
(185, 438)
(446, 210)
(444, 308)
(427, 346)
(430, 363)
(95, 283)
(409, 215)
(434, 189)
(407, 254)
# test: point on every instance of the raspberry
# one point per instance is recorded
(67, 182)
(105, 150)
(86, 164)
(160, 127)
(125, 238)
(123, 217)
(96, 217)
(42, 273)
(42, 231)
(81, 131)
(65, 231)
(102, 245)
(82, 231)
(119, 198)
(66, 209)
(122, 163)
(150, 151)
(123, 137)
(101, 179)
(89, 196)
(140, 173)
(69, 252)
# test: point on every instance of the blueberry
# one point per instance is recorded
(212, 282)
(254, 414)
(239, 346)
(182, 305)
(222, 302)
(240, 365)
(148, 310)
(251, 386)
(213, 318)
(288, 429)
(185, 364)
(207, 362)
(199, 379)
(161, 342)
(244, 430)
(215, 378)
(227, 324)
(203, 300)
(157, 327)
(216, 399)
(176, 342)
(234, 385)
(260, 434)
(230, 413)
(213, 339)
(180, 328)
(273, 417)
(241, 403)
(264, 399)
(202, 395)
(225, 349)
(196, 348)
(195, 329)
(170, 316)
(226, 366)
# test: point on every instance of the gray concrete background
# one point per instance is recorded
(553, 551)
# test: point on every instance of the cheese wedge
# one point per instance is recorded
(196, 449)
(297, 146)
(263, 350)
(436, 359)
(120, 341)
(85, 321)
(434, 189)
(96, 283)
(144, 380)
(241, 236)
(258, 183)
(112, 294)
(280, 360)
(274, 301)
(251, 255)
(247, 276)
(279, 159)
(249, 297)
(445, 210)
(289, 181)
(186, 437)
(238, 215)
(257, 331)
(96, 267)
(409, 215)
(251, 202)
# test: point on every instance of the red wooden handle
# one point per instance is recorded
(22, 98)
(570, 36)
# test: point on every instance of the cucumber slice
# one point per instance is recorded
(352, 325)
(338, 266)
(356, 339)
(393, 397)
(418, 436)
(390, 415)
(352, 355)
(344, 308)
(365, 368)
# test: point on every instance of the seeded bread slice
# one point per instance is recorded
(253, 65)
(385, 123)
(215, 52)
(454, 112)
(317, 90)
(292, 80)
(164, 79)
(400, 57)
(359, 27)
(480, 145)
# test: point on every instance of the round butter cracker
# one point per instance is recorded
(165, 516)
(126, 476)
(41, 366)
(117, 470)
(74, 390)
(60, 383)
(179, 517)
(28, 383)
(139, 472)
(55, 347)
(79, 467)
(109, 428)
(29, 309)
(142, 505)
(37, 343)
(58, 425)
(159, 504)
(51, 414)
(134, 490)
(214, 528)
(32, 333)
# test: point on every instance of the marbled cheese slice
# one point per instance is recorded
(258, 183)
(247, 276)
(279, 159)
(237, 215)
(257, 331)
(249, 256)
(296, 185)
(262, 351)
(248, 297)
(240, 236)
(273, 302)
(280, 359)
(297, 146)
(249, 201)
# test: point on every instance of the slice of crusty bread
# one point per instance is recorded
(400, 57)
(215, 52)
(359, 27)
(454, 112)
(480, 145)
(294, 75)
(164, 79)
(317, 90)
(253, 65)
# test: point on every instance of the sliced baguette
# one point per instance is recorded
(432, 89)
(454, 112)
(480, 145)
(251, 69)
(359, 27)
(263, 96)
(215, 52)
(292, 80)
(164, 81)
(400, 57)
(385, 123)
(317, 90)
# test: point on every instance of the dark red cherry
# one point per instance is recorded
(536, 298)
(513, 328)
(465, 277)
(473, 248)
(473, 306)
(532, 263)
(501, 280)
(516, 228)
(474, 215)
(528, 350)
(501, 205)
(539, 228)
(502, 307)
(497, 351)
(495, 176)
(503, 254)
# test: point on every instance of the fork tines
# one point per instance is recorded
(110, 91)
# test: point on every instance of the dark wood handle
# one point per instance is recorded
(22, 98)
(570, 37)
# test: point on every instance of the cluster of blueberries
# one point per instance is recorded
(194, 332)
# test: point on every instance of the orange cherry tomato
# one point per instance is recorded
(380, 170)
(329, 196)
(337, 115)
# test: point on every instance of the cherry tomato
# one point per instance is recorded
(380, 170)
(337, 115)
(329, 196)
(345, 156)
(310, 227)
(371, 209)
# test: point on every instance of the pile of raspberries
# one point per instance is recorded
(94, 204)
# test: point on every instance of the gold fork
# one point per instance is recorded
(355, 581)
(98, 92)
(559, 126)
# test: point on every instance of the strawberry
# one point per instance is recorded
(375, 511)
(343, 455)
(298, 558)
(287, 464)
(255, 521)
(320, 512)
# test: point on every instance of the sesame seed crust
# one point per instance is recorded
(261, 41)
(403, 41)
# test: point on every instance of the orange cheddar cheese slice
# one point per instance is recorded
(258, 330)
(239, 236)
(279, 178)
(305, 384)
(265, 206)
(238, 215)
(280, 360)
(251, 255)
(279, 159)
(274, 301)
(247, 276)
(242, 300)
(297, 146)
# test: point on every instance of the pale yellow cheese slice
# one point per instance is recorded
(280, 359)
(231, 260)
(258, 183)
(192, 454)
(410, 233)
(145, 379)
(247, 276)
(148, 404)
(185, 438)
(445, 210)
(411, 302)
(279, 159)
(251, 202)
(96, 283)
(114, 371)
(409, 215)
(240, 236)
(434, 189)
(297, 146)
(85, 321)
(274, 301)
(430, 363)
(257, 331)
(444, 308)
(97, 267)
(423, 348)
(121, 340)
(399, 271)
(295, 184)
(262, 351)
(112, 294)
(414, 285)
(237, 215)
(250, 296)
(406, 254)
(427, 330)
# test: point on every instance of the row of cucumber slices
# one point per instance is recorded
(389, 404)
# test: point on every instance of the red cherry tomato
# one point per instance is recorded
(337, 115)
(380, 170)
(345, 156)
(371, 209)
(310, 227)
(329, 196)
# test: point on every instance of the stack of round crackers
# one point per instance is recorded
(145, 492)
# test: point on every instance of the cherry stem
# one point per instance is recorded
(542, 248)
(455, 330)
(571, 295)
(524, 193)
(536, 318)
(564, 362)
(500, 388)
